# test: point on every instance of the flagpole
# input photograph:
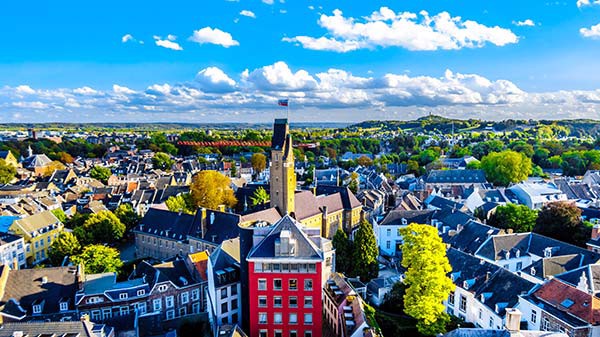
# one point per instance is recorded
(288, 110)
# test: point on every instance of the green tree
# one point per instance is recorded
(210, 189)
(98, 259)
(516, 217)
(365, 252)
(66, 244)
(259, 162)
(180, 203)
(427, 267)
(343, 252)
(128, 216)
(353, 185)
(104, 227)
(162, 161)
(260, 197)
(562, 220)
(503, 168)
(60, 215)
(7, 172)
(394, 300)
(101, 173)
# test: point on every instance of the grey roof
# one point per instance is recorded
(470, 237)
(172, 271)
(452, 217)
(37, 160)
(305, 248)
(349, 200)
(550, 266)
(75, 328)
(455, 177)
(158, 222)
(475, 332)
(395, 217)
(586, 276)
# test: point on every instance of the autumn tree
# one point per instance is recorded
(561, 220)
(180, 203)
(162, 161)
(427, 267)
(259, 162)
(98, 259)
(103, 227)
(519, 218)
(353, 185)
(365, 252)
(66, 244)
(343, 252)
(101, 173)
(503, 168)
(210, 189)
(7, 172)
(260, 197)
(364, 161)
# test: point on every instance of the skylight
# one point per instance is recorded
(567, 303)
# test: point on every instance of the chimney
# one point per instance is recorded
(513, 321)
(595, 232)
(203, 221)
(324, 221)
(221, 208)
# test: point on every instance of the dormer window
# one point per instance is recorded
(404, 222)
(518, 253)
(64, 306)
(123, 296)
(532, 271)
(507, 255)
(37, 309)
(141, 292)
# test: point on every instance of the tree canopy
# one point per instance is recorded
(424, 257)
(343, 252)
(260, 197)
(101, 173)
(7, 172)
(98, 259)
(66, 244)
(503, 168)
(365, 252)
(562, 220)
(127, 215)
(259, 162)
(516, 217)
(210, 189)
(102, 227)
(180, 203)
(162, 161)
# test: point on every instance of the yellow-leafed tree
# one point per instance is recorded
(210, 189)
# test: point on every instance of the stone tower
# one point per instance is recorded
(283, 177)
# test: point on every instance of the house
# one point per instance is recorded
(39, 294)
(377, 288)
(9, 158)
(512, 328)
(374, 202)
(387, 232)
(455, 177)
(37, 163)
(457, 163)
(38, 231)
(82, 327)
(534, 195)
(12, 251)
(477, 197)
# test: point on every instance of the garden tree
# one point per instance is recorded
(76, 220)
(503, 168)
(427, 267)
(394, 300)
(482, 149)
(98, 259)
(59, 214)
(516, 217)
(210, 189)
(180, 203)
(353, 185)
(101, 173)
(66, 244)
(365, 252)
(343, 252)
(555, 162)
(260, 197)
(474, 165)
(259, 162)
(162, 161)
(522, 147)
(540, 157)
(562, 220)
(364, 161)
(412, 166)
(7, 172)
(104, 227)
(128, 216)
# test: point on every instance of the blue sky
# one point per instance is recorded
(218, 60)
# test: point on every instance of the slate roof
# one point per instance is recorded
(475, 332)
(455, 177)
(219, 226)
(305, 248)
(471, 237)
(47, 329)
(550, 266)
(394, 218)
(172, 271)
(452, 217)
(586, 278)
(157, 222)
(37, 160)
(226, 257)
(349, 200)
(439, 202)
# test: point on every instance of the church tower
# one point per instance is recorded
(283, 177)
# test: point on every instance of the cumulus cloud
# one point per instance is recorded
(593, 32)
(168, 43)
(386, 28)
(524, 23)
(332, 94)
(248, 13)
(583, 3)
(213, 36)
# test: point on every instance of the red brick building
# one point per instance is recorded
(287, 268)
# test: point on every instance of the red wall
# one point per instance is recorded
(300, 327)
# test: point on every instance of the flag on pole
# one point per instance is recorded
(283, 102)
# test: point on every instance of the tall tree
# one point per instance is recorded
(210, 189)
(365, 252)
(424, 257)
(66, 244)
(180, 203)
(7, 172)
(259, 162)
(353, 185)
(104, 227)
(162, 161)
(503, 168)
(101, 173)
(516, 217)
(127, 215)
(343, 252)
(562, 220)
(260, 197)
(98, 259)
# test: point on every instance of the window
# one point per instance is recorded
(123, 311)
(388, 244)
(263, 333)
(277, 302)
(196, 308)
(312, 267)
(64, 306)
(156, 304)
(185, 297)
(293, 333)
(293, 284)
(162, 288)
(170, 314)
(293, 318)
(278, 318)
(277, 284)
(533, 316)
(233, 290)
(223, 293)
(262, 284)
(141, 292)
(141, 307)
(308, 284)
(463, 303)
(480, 313)
(388, 232)
(262, 301)
(123, 296)
(234, 304)
(519, 265)
(195, 294)
(545, 324)
(491, 322)
(182, 311)
(224, 307)
(262, 318)
(37, 309)
(308, 302)
(308, 319)
(278, 333)
(96, 315)
(106, 313)
(293, 302)
(169, 301)
(451, 299)
(307, 333)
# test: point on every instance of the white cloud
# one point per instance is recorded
(311, 7)
(213, 36)
(526, 23)
(583, 3)
(213, 79)
(279, 77)
(122, 90)
(85, 91)
(593, 32)
(25, 89)
(30, 105)
(169, 43)
(268, 2)
(385, 28)
(248, 13)
(127, 37)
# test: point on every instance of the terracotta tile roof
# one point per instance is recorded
(560, 295)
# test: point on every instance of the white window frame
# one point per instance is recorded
(169, 302)
(157, 304)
